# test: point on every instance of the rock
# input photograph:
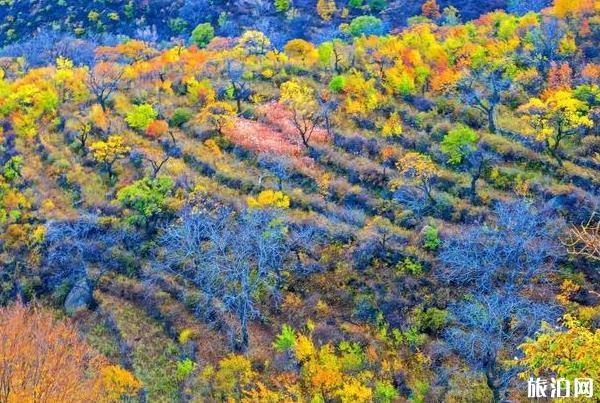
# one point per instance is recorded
(586, 298)
(79, 298)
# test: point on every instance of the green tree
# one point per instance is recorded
(202, 34)
(337, 83)
(365, 25)
(377, 6)
(12, 168)
(147, 199)
(459, 143)
(286, 340)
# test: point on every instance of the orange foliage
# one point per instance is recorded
(591, 72)
(133, 49)
(563, 8)
(430, 9)
(51, 364)
(443, 80)
(157, 128)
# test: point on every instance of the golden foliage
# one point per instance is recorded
(269, 198)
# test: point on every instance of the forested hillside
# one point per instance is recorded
(389, 212)
(162, 20)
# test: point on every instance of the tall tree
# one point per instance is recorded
(555, 117)
(103, 80)
(482, 88)
(300, 98)
(231, 257)
(503, 264)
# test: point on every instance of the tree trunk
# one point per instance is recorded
(427, 189)
(244, 338)
(474, 187)
(497, 393)
(492, 120)
(553, 151)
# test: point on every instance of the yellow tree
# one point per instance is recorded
(325, 9)
(255, 43)
(392, 127)
(300, 98)
(110, 151)
(302, 52)
(421, 168)
(218, 115)
(572, 353)
(554, 117)
(269, 198)
(360, 95)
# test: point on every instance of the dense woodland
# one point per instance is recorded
(164, 20)
(388, 213)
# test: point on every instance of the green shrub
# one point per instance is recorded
(184, 369)
(337, 83)
(202, 34)
(431, 320)
(385, 392)
(180, 117)
(431, 239)
(285, 340)
(177, 25)
(140, 116)
(408, 266)
(147, 198)
(366, 25)
(459, 143)
(282, 5)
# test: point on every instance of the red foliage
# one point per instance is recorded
(430, 9)
(280, 117)
(275, 134)
(260, 137)
(559, 76)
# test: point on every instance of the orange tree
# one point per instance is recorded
(52, 364)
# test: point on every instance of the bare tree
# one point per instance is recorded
(584, 240)
(482, 89)
(500, 265)
(279, 167)
(488, 329)
(103, 80)
(519, 247)
(231, 257)
(477, 163)
(234, 73)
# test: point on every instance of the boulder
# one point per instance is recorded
(80, 297)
